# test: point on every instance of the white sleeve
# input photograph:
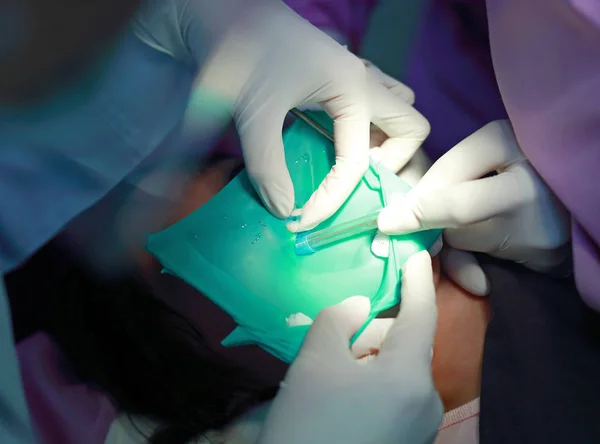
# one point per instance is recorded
(15, 423)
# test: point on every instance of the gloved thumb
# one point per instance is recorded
(333, 328)
(410, 338)
(264, 156)
(370, 340)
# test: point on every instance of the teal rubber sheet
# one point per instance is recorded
(241, 257)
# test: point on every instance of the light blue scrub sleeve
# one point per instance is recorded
(187, 30)
(15, 423)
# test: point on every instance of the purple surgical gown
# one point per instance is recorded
(545, 57)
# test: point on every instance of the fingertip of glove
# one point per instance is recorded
(419, 259)
(476, 282)
(300, 221)
(464, 269)
(280, 206)
(481, 288)
(293, 221)
(387, 221)
(398, 217)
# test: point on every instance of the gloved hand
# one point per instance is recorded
(268, 61)
(328, 397)
(512, 215)
(461, 266)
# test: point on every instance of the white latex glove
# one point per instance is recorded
(329, 397)
(268, 61)
(462, 267)
(512, 215)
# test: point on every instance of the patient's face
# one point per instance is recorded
(462, 318)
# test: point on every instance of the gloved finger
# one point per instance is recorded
(396, 87)
(334, 326)
(262, 145)
(405, 127)
(415, 169)
(463, 269)
(410, 338)
(347, 105)
(491, 148)
(455, 206)
(370, 340)
(482, 237)
(380, 246)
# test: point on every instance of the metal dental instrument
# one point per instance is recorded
(310, 242)
(314, 124)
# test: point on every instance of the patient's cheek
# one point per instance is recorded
(458, 348)
(204, 187)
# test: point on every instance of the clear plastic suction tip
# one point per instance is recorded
(302, 247)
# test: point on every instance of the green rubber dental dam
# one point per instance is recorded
(241, 257)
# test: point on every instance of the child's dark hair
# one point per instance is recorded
(150, 359)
